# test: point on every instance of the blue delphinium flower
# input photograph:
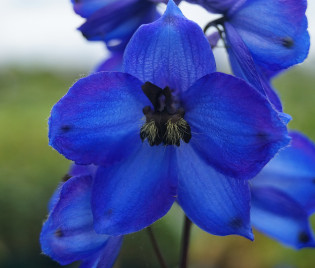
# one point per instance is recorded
(283, 194)
(68, 235)
(114, 21)
(244, 66)
(169, 128)
(275, 31)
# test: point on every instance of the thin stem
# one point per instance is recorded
(185, 243)
(215, 24)
(156, 248)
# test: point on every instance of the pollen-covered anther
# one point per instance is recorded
(149, 131)
(176, 131)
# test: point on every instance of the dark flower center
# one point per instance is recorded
(165, 124)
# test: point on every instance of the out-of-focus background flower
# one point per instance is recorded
(41, 55)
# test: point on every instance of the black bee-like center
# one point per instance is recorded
(165, 124)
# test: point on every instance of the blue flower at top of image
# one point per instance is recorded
(169, 128)
(244, 66)
(275, 31)
(68, 235)
(114, 21)
(283, 194)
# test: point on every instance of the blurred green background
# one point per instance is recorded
(30, 170)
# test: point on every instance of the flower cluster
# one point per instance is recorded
(167, 127)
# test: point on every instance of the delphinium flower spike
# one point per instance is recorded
(168, 128)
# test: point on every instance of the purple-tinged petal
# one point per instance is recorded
(213, 39)
(68, 234)
(274, 31)
(243, 65)
(106, 257)
(98, 121)
(269, 74)
(117, 21)
(241, 60)
(131, 195)
(172, 51)
(219, 6)
(234, 128)
(217, 204)
(293, 172)
(280, 217)
(86, 8)
(81, 170)
(112, 64)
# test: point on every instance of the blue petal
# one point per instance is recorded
(172, 51)
(234, 128)
(274, 31)
(217, 204)
(117, 21)
(81, 170)
(68, 234)
(280, 217)
(107, 256)
(244, 67)
(213, 39)
(269, 74)
(75, 170)
(133, 194)
(99, 119)
(293, 172)
(273, 96)
(219, 6)
(54, 198)
(86, 8)
(113, 63)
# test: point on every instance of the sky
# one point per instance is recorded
(43, 33)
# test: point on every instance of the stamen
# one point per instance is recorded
(172, 135)
(176, 131)
(164, 124)
(149, 131)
